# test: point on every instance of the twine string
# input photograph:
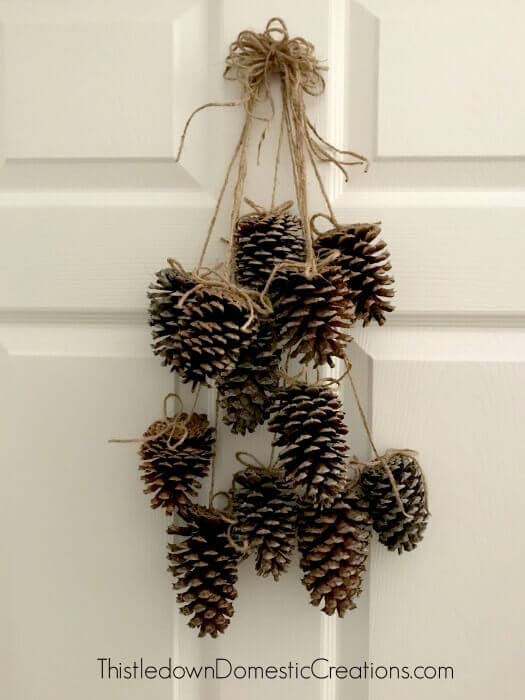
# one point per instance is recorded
(242, 458)
(277, 158)
(380, 461)
(252, 60)
(214, 457)
(171, 425)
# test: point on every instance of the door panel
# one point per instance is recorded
(91, 204)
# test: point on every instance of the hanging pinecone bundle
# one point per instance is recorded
(214, 326)
(263, 240)
(246, 393)
(176, 454)
(265, 509)
(334, 549)
(313, 314)
(164, 295)
(309, 427)
(204, 565)
(396, 531)
(364, 260)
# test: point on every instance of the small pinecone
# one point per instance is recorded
(204, 563)
(365, 263)
(172, 472)
(394, 529)
(246, 393)
(263, 241)
(334, 549)
(211, 335)
(313, 314)
(164, 313)
(309, 426)
(266, 510)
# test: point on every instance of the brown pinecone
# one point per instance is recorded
(211, 335)
(246, 393)
(394, 529)
(171, 471)
(265, 510)
(334, 549)
(313, 314)
(309, 426)
(164, 313)
(204, 564)
(365, 263)
(262, 242)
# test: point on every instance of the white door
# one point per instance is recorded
(91, 203)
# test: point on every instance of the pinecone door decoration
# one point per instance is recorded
(286, 293)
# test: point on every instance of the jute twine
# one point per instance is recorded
(252, 60)
(174, 425)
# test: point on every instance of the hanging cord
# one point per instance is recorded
(380, 460)
(172, 424)
(252, 59)
(214, 458)
(277, 158)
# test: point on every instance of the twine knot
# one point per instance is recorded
(254, 57)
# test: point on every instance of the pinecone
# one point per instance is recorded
(334, 549)
(313, 314)
(205, 565)
(263, 241)
(265, 509)
(309, 426)
(394, 529)
(164, 313)
(172, 471)
(246, 393)
(211, 335)
(365, 263)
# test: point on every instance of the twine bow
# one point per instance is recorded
(174, 425)
(252, 60)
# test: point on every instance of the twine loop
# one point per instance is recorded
(176, 426)
(275, 210)
(254, 57)
(258, 304)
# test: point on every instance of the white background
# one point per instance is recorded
(91, 203)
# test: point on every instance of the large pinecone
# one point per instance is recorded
(364, 260)
(394, 529)
(263, 241)
(164, 313)
(171, 471)
(265, 509)
(246, 393)
(211, 335)
(313, 314)
(204, 564)
(309, 426)
(334, 549)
